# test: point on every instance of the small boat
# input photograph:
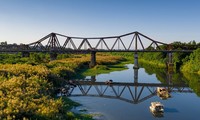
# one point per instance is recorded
(163, 93)
(156, 107)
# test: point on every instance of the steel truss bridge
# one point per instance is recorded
(129, 92)
(130, 42)
(55, 43)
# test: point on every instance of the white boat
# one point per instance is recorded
(156, 107)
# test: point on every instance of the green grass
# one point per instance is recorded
(100, 69)
(155, 64)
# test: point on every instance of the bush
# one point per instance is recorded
(193, 65)
(25, 93)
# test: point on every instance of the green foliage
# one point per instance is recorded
(109, 59)
(189, 62)
(123, 54)
(179, 58)
(27, 90)
(194, 82)
(72, 116)
(157, 59)
(192, 45)
(25, 93)
(193, 65)
(63, 56)
(152, 63)
(34, 59)
(26, 70)
(38, 58)
(10, 58)
(101, 67)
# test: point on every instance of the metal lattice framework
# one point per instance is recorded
(128, 42)
(129, 92)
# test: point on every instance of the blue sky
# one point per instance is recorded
(26, 21)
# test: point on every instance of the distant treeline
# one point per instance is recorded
(183, 61)
(192, 45)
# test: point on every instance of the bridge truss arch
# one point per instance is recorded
(128, 42)
(133, 93)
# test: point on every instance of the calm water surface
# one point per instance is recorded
(127, 101)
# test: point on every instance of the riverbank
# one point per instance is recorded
(193, 64)
(32, 81)
(27, 87)
(183, 62)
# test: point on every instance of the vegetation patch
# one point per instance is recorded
(154, 63)
(193, 64)
(27, 85)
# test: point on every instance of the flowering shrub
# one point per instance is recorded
(24, 93)
(26, 89)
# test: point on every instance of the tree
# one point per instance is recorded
(3, 43)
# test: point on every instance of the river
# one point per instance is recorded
(131, 93)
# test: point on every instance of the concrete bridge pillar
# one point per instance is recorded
(25, 54)
(93, 59)
(169, 77)
(53, 56)
(136, 65)
(170, 62)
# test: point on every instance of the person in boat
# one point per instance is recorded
(109, 82)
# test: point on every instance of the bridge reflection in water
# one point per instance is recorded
(134, 92)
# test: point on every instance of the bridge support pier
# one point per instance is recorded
(93, 59)
(53, 56)
(169, 77)
(25, 54)
(170, 64)
(136, 65)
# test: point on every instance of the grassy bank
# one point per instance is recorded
(78, 65)
(105, 63)
(154, 63)
(27, 90)
(192, 65)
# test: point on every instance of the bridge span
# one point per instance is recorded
(55, 43)
(129, 92)
(133, 92)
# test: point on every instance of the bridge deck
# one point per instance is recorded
(89, 51)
